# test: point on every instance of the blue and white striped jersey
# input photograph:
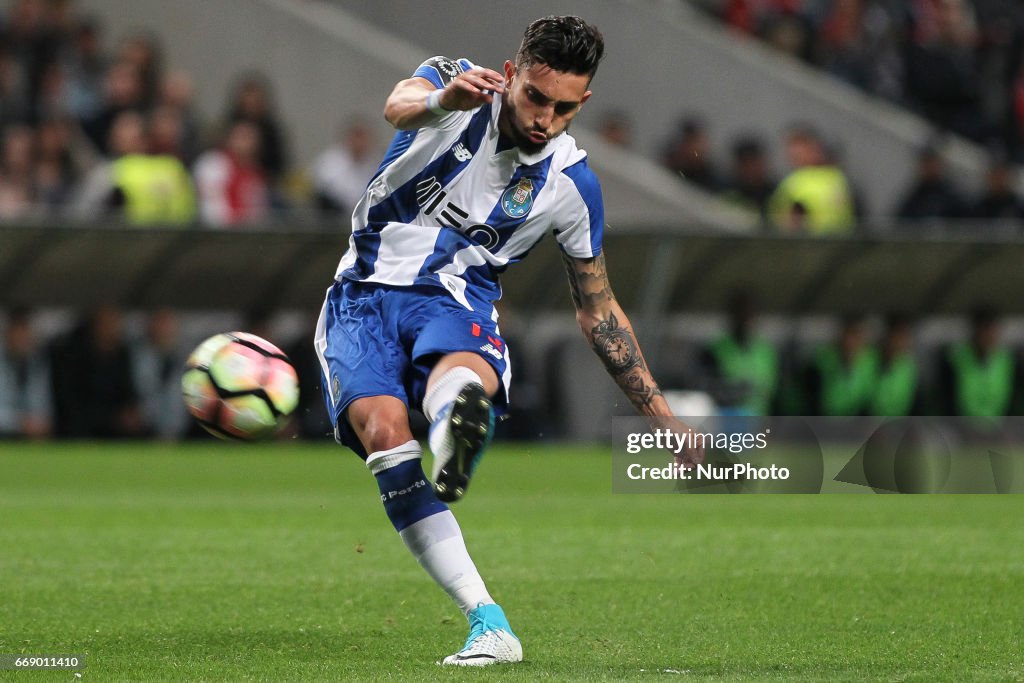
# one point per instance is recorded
(454, 204)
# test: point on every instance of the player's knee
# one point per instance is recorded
(384, 433)
(381, 423)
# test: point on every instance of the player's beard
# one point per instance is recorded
(520, 138)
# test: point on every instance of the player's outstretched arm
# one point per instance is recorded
(607, 329)
(411, 104)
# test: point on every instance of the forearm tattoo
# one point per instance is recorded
(614, 343)
(588, 281)
(617, 348)
(639, 391)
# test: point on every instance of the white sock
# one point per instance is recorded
(446, 388)
(437, 543)
(378, 461)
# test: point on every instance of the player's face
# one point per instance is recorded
(539, 103)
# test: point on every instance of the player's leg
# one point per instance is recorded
(425, 524)
(428, 528)
(458, 405)
(364, 366)
(457, 387)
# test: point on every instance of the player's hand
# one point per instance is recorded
(472, 88)
(693, 454)
(690, 457)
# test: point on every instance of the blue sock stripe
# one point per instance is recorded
(407, 495)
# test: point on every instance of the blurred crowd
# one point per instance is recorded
(814, 193)
(88, 130)
(91, 128)
(960, 63)
(870, 367)
(97, 380)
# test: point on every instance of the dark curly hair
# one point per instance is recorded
(566, 44)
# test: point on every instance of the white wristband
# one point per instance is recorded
(434, 103)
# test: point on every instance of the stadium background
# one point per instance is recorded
(203, 561)
(680, 245)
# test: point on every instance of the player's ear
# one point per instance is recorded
(586, 96)
(510, 71)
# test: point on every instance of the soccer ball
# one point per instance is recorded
(239, 386)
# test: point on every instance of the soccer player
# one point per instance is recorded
(480, 169)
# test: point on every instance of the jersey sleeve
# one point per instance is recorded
(442, 70)
(581, 224)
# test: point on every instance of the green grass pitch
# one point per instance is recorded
(212, 562)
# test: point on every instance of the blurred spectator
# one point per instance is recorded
(898, 391)
(17, 156)
(85, 65)
(998, 199)
(24, 37)
(815, 197)
(789, 29)
(57, 169)
(93, 382)
(122, 91)
(52, 96)
(14, 101)
(616, 128)
(25, 392)
(942, 71)
(232, 183)
(857, 44)
(841, 378)
(61, 19)
(688, 153)
(167, 132)
(743, 366)
(157, 361)
(149, 188)
(978, 377)
(342, 171)
(142, 53)
(932, 195)
(252, 102)
(750, 184)
(177, 93)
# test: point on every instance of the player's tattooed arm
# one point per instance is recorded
(588, 282)
(607, 328)
(610, 334)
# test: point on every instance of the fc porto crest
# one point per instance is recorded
(517, 200)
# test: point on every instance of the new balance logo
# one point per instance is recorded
(461, 153)
(488, 348)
